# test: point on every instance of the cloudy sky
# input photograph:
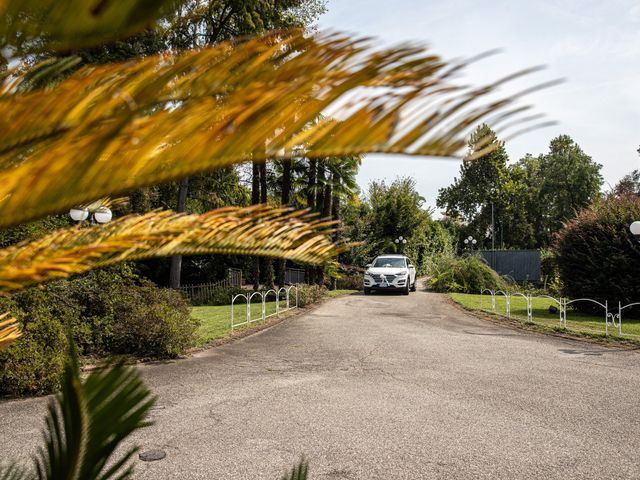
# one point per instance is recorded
(593, 45)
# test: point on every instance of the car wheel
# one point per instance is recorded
(367, 291)
(405, 291)
(413, 287)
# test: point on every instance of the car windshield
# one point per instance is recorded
(396, 262)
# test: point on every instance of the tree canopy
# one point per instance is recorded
(528, 200)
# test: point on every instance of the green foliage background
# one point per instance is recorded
(110, 312)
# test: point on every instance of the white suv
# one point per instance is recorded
(390, 272)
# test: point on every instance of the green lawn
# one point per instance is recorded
(215, 322)
(575, 320)
(339, 293)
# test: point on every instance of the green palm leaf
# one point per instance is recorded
(299, 472)
(85, 424)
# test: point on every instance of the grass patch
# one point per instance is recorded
(576, 321)
(339, 293)
(215, 322)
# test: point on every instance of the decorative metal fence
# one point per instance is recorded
(203, 292)
(242, 302)
(612, 320)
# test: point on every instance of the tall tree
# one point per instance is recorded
(570, 181)
(629, 184)
(267, 263)
(285, 198)
(477, 192)
(198, 23)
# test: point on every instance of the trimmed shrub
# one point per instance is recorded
(597, 256)
(309, 294)
(350, 282)
(222, 296)
(151, 321)
(462, 274)
(109, 311)
(35, 362)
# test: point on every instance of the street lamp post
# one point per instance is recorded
(470, 242)
(100, 214)
(635, 229)
(400, 241)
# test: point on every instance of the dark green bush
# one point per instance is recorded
(151, 321)
(222, 296)
(597, 256)
(308, 294)
(35, 362)
(462, 274)
(110, 311)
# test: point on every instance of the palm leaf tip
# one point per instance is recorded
(9, 330)
(298, 472)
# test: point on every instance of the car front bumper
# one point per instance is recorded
(397, 283)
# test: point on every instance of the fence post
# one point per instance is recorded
(620, 318)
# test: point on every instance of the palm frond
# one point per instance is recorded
(74, 23)
(299, 472)
(9, 330)
(14, 472)
(114, 128)
(87, 421)
(258, 230)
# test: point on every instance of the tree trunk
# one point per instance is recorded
(285, 199)
(311, 185)
(267, 263)
(335, 215)
(320, 189)
(311, 204)
(175, 270)
(255, 200)
(327, 198)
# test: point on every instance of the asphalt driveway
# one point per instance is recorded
(386, 387)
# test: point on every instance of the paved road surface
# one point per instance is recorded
(386, 387)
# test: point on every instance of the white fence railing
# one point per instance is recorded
(203, 292)
(611, 320)
(243, 302)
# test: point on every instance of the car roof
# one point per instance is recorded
(392, 255)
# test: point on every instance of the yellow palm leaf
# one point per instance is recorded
(258, 230)
(9, 330)
(110, 129)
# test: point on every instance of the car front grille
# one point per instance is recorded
(378, 278)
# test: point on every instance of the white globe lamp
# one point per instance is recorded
(79, 214)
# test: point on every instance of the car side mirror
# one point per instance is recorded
(411, 266)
